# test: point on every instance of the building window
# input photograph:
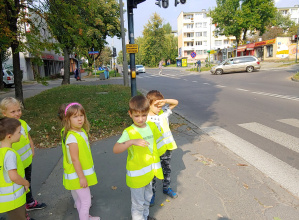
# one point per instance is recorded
(204, 15)
(218, 42)
(189, 26)
(205, 24)
(198, 43)
(205, 43)
(198, 34)
(270, 51)
(205, 52)
(199, 52)
(205, 34)
(190, 34)
(198, 25)
(189, 44)
(225, 41)
(188, 52)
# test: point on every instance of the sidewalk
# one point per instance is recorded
(212, 183)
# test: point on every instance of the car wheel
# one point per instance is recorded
(218, 71)
(249, 69)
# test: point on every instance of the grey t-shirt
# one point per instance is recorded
(10, 163)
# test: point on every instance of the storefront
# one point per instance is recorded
(264, 49)
(241, 50)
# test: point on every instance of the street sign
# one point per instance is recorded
(193, 54)
(132, 48)
(93, 52)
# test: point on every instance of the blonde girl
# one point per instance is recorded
(78, 165)
(12, 108)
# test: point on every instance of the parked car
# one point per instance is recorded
(140, 69)
(8, 78)
(237, 64)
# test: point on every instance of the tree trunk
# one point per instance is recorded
(66, 77)
(18, 76)
(1, 70)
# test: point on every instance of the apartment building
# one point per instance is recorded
(196, 34)
(293, 12)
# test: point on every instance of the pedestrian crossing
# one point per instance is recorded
(281, 172)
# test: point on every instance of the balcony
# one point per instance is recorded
(188, 48)
(188, 39)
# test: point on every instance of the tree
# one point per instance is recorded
(120, 57)
(151, 48)
(105, 56)
(281, 21)
(170, 45)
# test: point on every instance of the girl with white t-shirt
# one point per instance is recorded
(78, 165)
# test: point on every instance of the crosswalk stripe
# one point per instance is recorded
(271, 134)
(284, 174)
(290, 121)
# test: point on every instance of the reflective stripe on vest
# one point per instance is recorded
(26, 155)
(144, 170)
(73, 176)
(167, 134)
(24, 149)
(14, 196)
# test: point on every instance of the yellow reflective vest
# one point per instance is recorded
(12, 195)
(23, 146)
(70, 178)
(142, 165)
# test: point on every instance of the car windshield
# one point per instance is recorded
(139, 66)
(9, 73)
(223, 62)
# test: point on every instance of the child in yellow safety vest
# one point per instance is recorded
(12, 108)
(79, 173)
(159, 116)
(13, 185)
(142, 141)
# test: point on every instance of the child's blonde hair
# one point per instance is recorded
(8, 101)
(66, 111)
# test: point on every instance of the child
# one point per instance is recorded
(12, 108)
(143, 162)
(78, 165)
(13, 185)
(160, 117)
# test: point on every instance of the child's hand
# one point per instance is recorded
(83, 182)
(27, 186)
(160, 103)
(141, 143)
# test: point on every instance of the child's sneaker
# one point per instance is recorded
(152, 203)
(170, 193)
(35, 206)
(94, 218)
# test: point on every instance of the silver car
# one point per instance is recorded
(8, 78)
(237, 64)
(140, 69)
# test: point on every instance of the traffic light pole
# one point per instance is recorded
(132, 55)
(297, 44)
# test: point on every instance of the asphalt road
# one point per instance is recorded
(255, 115)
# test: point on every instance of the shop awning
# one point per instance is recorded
(241, 48)
(250, 46)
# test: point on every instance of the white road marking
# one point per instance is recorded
(185, 79)
(207, 83)
(290, 121)
(220, 86)
(245, 90)
(284, 174)
(194, 81)
(277, 96)
(271, 134)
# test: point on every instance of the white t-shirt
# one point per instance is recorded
(23, 130)
(72, 139)
(157, 119)
(10, 163)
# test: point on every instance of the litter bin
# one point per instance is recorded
(106, 72)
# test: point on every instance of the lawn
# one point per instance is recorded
(106, 107)
(296, 76)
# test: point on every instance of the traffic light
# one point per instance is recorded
(183, 1)
(296, 37)
(114, 52)
(176, 2)
(158, 2)
(165, 3)
(134, 3)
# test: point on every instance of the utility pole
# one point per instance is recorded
(297, 44)
(125, 62)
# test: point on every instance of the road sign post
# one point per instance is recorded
(93, 53)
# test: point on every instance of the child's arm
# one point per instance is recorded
(121, 147)
(16, 178)
(74, 152)
(31, 145)
(171, 102)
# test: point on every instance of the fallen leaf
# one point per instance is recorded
(162, 204)
(245, 186)
(113, 187)
(276, 218)
(167, 200)
(242, 165)
(220, 216)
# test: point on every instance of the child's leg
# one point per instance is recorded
(75, 198)
(29, 197)
(17, 214)
(139, 203)
(154, 187)
(165, 163)
(83, 203)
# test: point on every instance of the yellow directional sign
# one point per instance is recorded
(132, 48)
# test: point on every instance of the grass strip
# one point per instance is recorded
(296, 76)
(106, 107)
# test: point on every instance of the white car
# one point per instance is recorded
(8, 78)
(140, 69)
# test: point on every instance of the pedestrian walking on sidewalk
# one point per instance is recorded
(160, 110)
(79, 173)
(160, 67)
(12, 108)
(13, 185)
(143, 162)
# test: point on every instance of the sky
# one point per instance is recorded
(146, 9)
